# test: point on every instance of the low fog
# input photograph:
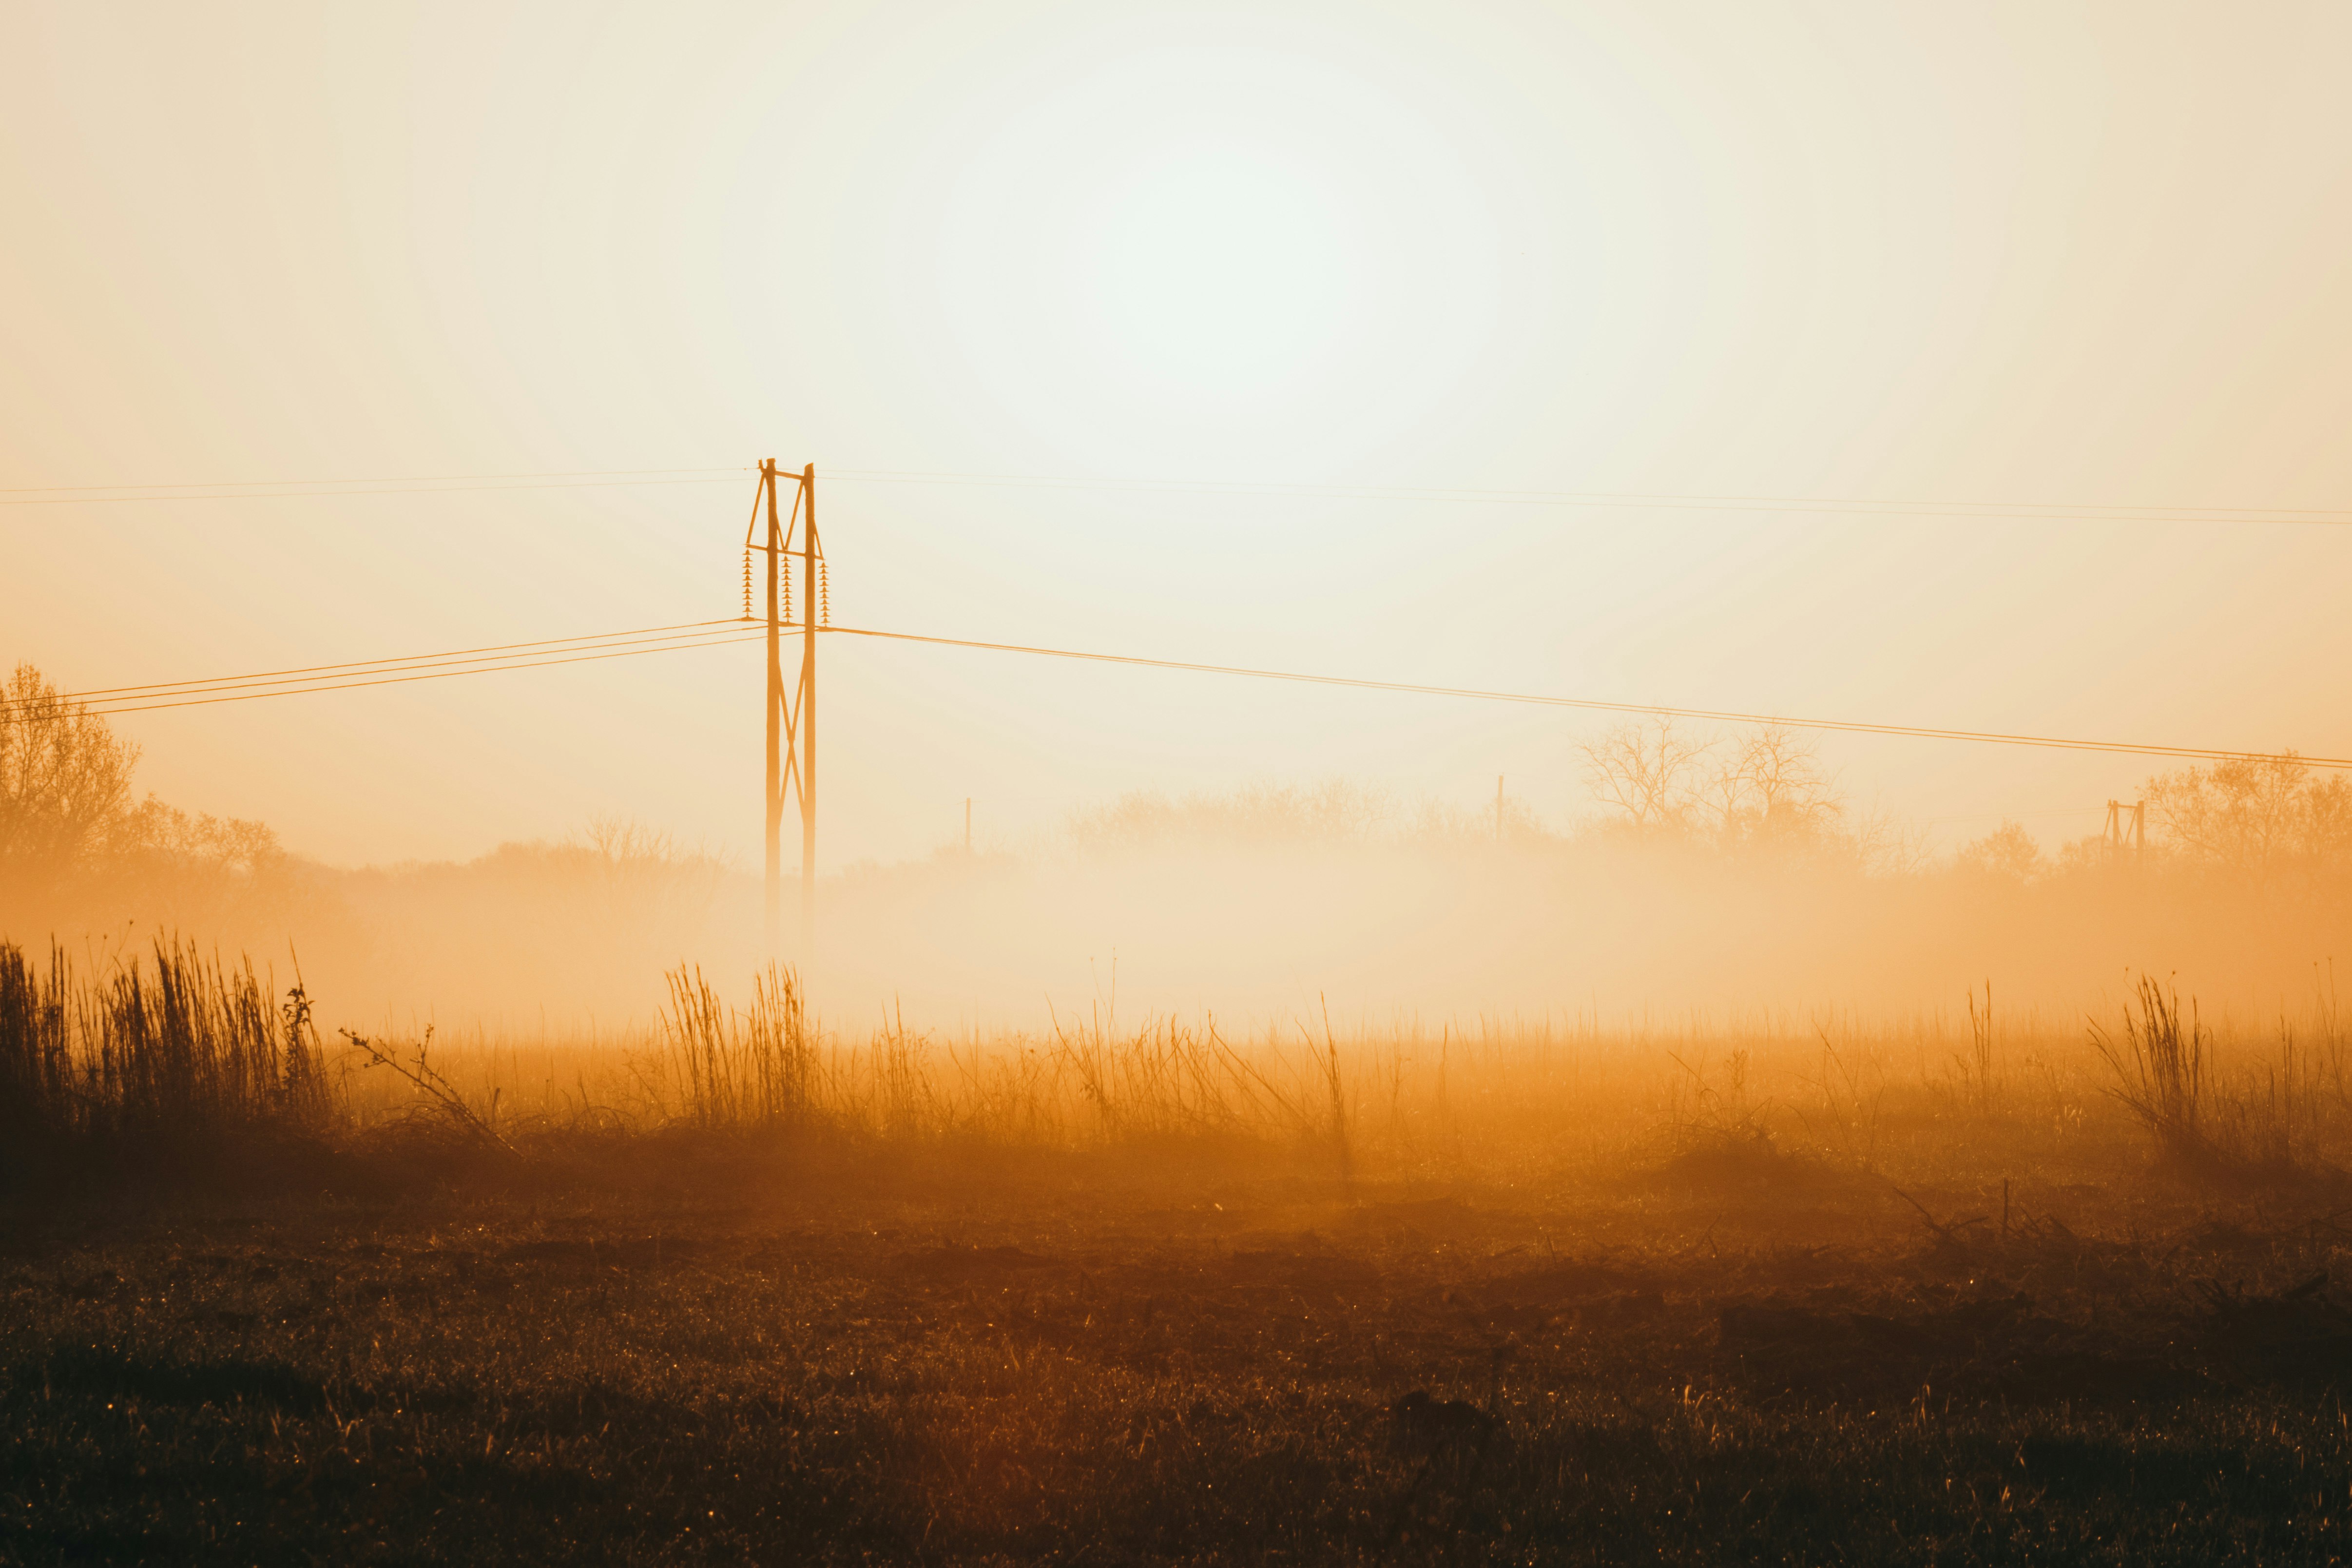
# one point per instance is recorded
(1718, 878)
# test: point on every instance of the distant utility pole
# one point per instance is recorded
(2135, 833)
(967, 826)
(792, 719)
(1498, 808)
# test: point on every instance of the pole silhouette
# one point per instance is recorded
(812, 604)
(775, 705)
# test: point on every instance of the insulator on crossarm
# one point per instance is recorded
(824, 591)
(747, 582)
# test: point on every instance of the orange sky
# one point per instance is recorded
(2080, 255)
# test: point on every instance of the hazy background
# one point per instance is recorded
(2083, 256)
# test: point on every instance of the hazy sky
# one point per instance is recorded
(2075, 255)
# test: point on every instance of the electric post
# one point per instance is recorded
(2127, 829)
(813, 605)
(775, 705)
(791, 721)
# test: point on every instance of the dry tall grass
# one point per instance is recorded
(173, 1055)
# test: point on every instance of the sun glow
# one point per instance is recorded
(1216, 271)
(1203, 246)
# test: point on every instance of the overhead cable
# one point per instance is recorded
(697, 634)
(1915, 731)
(157, 687)
(399, 678)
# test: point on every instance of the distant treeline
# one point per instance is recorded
(1705, 869)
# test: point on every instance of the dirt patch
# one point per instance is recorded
(1997, 1348)
(634, 1252)
(1738, 1170)
(120, 1375)
(2301, 1335)
(1440, 1219)
(1317, 1273)
(964, 1265)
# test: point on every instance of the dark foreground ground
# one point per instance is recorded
(1112, 1365)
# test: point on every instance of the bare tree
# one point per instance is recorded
(2009, 851)
(1648, 770)
(2255, 814)
(65, 778)
(2327, 819)
(1771, 788)
(647, 874)
(1789, 796)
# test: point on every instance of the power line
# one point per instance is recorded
(479, 666)
(408, 671)
(121, 693)
(1915, 731)
(689, 636)
(721, 640)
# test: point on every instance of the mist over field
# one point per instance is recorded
(1719, 880)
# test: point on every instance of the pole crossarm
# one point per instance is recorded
(792, 521)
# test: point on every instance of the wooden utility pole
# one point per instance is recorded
(812, 604)
(2127, 825)
(790, 720)
(775, 796)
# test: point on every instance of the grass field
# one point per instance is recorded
(972, 1363)
(1545, 1298)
